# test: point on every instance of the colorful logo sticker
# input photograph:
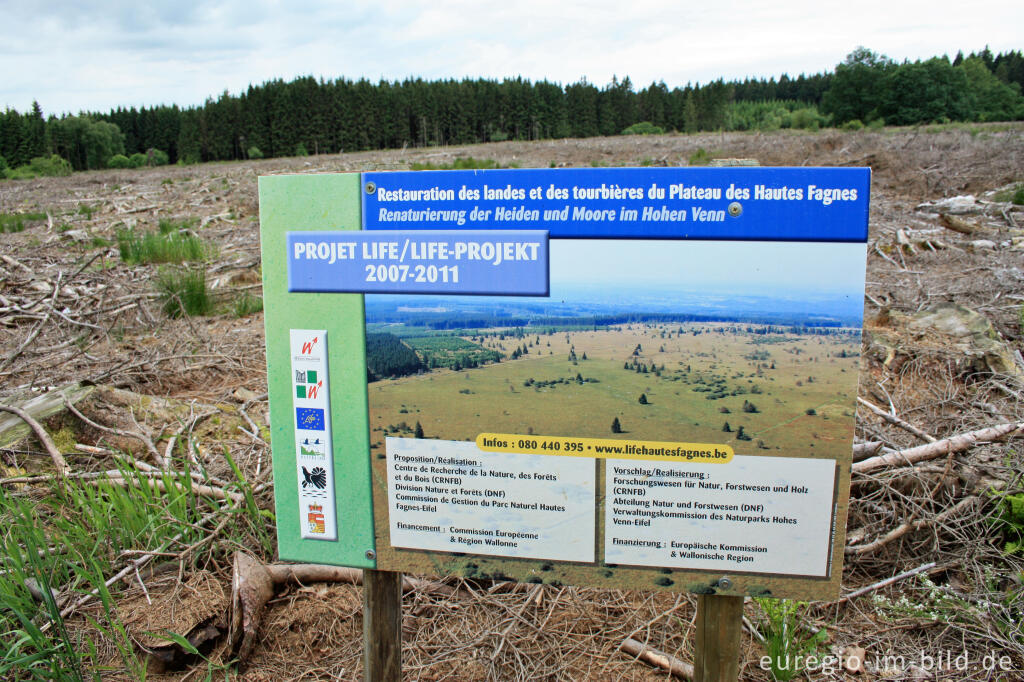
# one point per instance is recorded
(317, 522)
(309, 418)
(312, 447)
(305, 376)
(306, 347)
(311, 400)
(310, 391)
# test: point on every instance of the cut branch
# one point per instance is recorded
(904, 528)
(862, 451)
(658, 659)
(161, 484)
(893, 419)
(945, 446)
(882, 583)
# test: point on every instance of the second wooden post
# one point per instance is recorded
(382, 626)
(716, 656)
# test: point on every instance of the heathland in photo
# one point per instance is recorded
(737, 344)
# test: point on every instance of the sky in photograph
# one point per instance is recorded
(758, 268)
(85, 55)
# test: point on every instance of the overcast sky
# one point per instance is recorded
(74, 55)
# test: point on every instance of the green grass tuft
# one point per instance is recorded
(168, 226)
(1014, 195)
(788, 646)
(27, 650)
(1011, 522)
(701, 157)
(170, 244)
(247, 304)
(15, 222)
(69, 539)
(184, 291)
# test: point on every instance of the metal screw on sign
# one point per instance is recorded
(725, 583)
(371, 187)
(735, 209)
(371, 555)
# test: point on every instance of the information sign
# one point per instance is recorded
(622, 378)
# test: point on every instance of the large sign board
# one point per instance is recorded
(623, 378)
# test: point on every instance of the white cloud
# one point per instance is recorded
(96, 56)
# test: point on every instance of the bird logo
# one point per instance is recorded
(316, 478)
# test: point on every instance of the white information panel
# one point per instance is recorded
(760, 514)
(450, 496)
(313, 456)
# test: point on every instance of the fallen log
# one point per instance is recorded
(957, 224)
(58, 459)
(945, 446)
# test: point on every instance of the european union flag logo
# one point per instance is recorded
(309, 418)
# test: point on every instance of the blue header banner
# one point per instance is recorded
(485, 262)
(735, 203)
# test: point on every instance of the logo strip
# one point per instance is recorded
(313, 456)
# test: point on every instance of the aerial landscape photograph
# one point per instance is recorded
(699, 343)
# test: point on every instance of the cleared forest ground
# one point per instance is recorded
(185, 394)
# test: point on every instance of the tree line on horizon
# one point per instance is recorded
(310, 116)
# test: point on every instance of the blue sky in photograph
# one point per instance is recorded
(720, 279)
(721, 266)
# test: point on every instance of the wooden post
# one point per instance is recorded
(382, 626)
(716, 656)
